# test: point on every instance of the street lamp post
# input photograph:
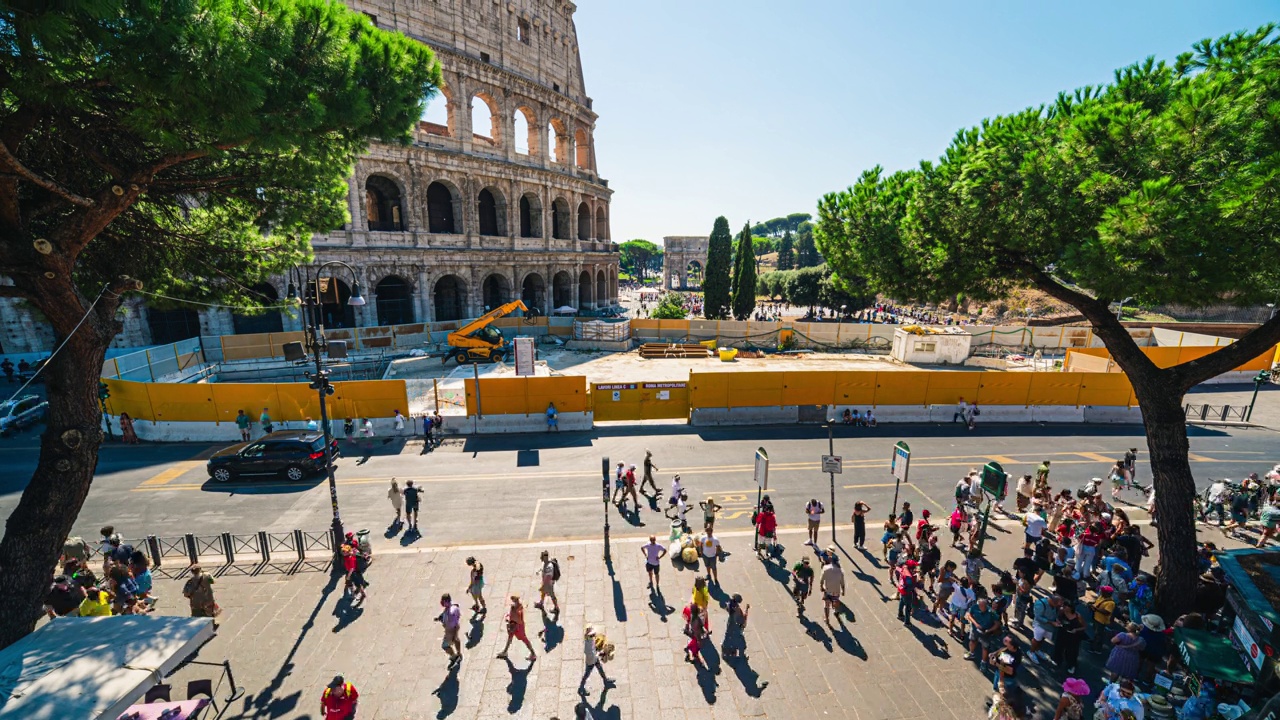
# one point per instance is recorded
(316, 344)
(831, 449)
(604, 491)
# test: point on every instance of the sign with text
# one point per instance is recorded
(616, 386)
(900, 461)
(525, 354)
(762, 469)
(661, 385)
(832, 464)
(994, 478)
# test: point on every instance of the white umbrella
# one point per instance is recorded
(565, 309)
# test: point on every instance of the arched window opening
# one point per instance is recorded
(582, 148)
(382, 201)
(394, 300)
(334, 310)
(435, 117)
(560, 219)
(440, 217)
(266, 321)
(602, 289)
(533, 292)
(602, 224)
(559, 140)
(171, 326)
(561, 291)
(693, 275)
(584, 291)
(496, 291)
(450, 298)
(482, 126)
(530, 216)
(523, 132)
(584, 222)
(490, 214)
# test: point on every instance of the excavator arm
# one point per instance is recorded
(477, 340)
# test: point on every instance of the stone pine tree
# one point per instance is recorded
(1161, 186)
(806, 250)
(787, 252)
(196, 145)
(744, 276)
(716, 288)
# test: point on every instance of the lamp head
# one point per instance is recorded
(357, 297)
(292, 294)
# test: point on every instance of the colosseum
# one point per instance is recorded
(497, 197)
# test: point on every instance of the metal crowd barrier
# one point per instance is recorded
(1212, 412)
(231, 548)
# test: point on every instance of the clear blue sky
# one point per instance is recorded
(753, 109)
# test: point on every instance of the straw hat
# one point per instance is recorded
(1153, 622)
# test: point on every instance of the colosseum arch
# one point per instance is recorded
(533, 291)
(560, 219)
(602, 223)
(602, 289)
(524, 132)
(559, 138)
(437, 117)
(450, 298)
(444, 208)
(384, 204)
(530, 215)
(262, 294)
(491, 212)
(393, 296)
(582, 146)
(485, 119)
(584, 290)
(561, 290)
(584, 222)
(495, 290)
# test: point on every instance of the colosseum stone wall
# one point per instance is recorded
(498, 196)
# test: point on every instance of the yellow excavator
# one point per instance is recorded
(478, 340)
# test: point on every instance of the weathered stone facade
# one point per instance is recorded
(477, 211)
(684, 258)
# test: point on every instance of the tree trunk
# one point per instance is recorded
(52, 500)
(1175, 489)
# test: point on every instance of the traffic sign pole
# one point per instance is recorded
(994, 482)
(898, 465)
(762, 482)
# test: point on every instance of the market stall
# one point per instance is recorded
(1253, 601)
(94, 668)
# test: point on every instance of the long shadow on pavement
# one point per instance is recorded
(448, 693)
(265, 704)
(517, 687)
(708, 672)
(749, 678)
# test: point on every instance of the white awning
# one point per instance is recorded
(93, 668)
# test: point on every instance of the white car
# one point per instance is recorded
(21, 413)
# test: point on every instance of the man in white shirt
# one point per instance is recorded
(832, 585)
(653, 554)
(961, 598)
(711, 556)
(1218, 497)
(962, 412)
(975, 488)
(813, 509)
(1035, 526)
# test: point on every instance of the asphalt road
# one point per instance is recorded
(537, 487)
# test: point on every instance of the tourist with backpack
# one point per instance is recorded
(550, 573)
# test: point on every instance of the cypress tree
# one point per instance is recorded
(744, 276)
(715, 280)
(806, 250)
(787, 252)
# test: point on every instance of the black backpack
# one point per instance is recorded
(555, 570)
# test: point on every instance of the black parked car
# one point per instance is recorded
(295, 454)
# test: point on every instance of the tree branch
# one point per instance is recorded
(10, 291)
(13, 163)
(1257, 341)
(1113, 334)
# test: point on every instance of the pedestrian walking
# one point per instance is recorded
(1071, 704)
(802, 579)
(629, 480)
(348, 429)
(354, 563)
(890, 532)
(860, 510)
(399, 422)
(553, 418)
(265, 420)
(475, 586)
(515, 628)
(766, 522)
(649, 467)
(709, 510)
(242, 423)
(734, 644)
(437, 426)
(339, 700)
(451, 619)
(1045, 619)
(619, 485)
(311, 424)
(701, 597)
(366, 431)
(930, 557)
(1071, 634)
(198, 590)
(814, 510)
(550, 574)
(396, 496)
(653, 554)
(593, 659)
(907, 587)
(961, 600)
(711, 555)
(695, 628)
(1125, 659)
(832, 588)
(412, 499)
(127, 433)
(1103, 607)
(426, 430)
(962, 412)
(984, 630)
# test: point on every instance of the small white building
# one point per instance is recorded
(950, 347)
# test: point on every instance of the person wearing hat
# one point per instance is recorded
(339, 699)
(1071, 705)
(592, 658)
(1118, 699)
(63, 599)
(198, 590)
(1025, 489)
(802, 575)
(619, 485)
(649, 467)
(1153, 652)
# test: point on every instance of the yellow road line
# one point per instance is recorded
(1199, 458)
(164, 477)
(1096, 456)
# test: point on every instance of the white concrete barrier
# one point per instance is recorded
(504, 424)
(228, 432)
(1100, 414)
(901, 414)
(1058, 413)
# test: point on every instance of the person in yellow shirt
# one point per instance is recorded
(96, 603)
(1103, 608)
(701, 594)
